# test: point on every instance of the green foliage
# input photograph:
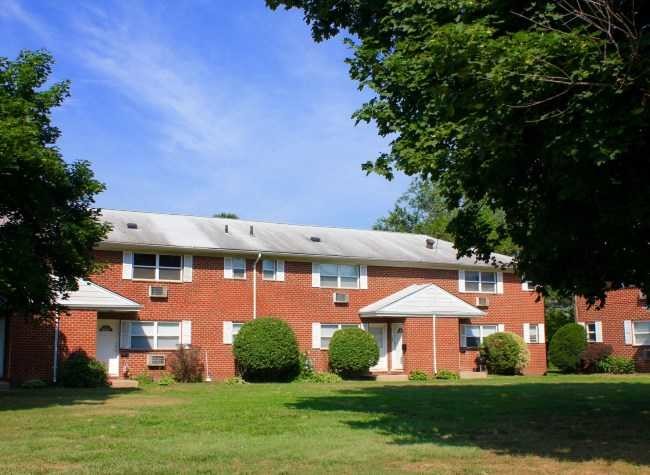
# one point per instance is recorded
(166, 380)
(48, 226)
(616, 365)
(321, 378)
(540, 110)
(504, 353)
(266, 350)
(306, 367)
(446, 374)
(235, 380)
(186, 365)
(558, 311)
(567, 345)
(144, 379)
(225, 214)
(418, 375)
(34, 384)
(352, 352)
(593, 354)
(81, 371)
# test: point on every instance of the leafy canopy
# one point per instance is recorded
(539, 109)
(47, 226)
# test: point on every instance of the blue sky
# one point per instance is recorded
(197, 107)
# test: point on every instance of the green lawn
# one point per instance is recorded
(585, 424)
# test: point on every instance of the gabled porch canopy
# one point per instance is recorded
(421, 300)
(91, 296)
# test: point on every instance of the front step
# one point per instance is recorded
(472, 374)
(123, 383)
(392, 377)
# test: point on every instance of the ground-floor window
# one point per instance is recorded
(327, 331)
(641, 333)
(155, 335)
(533, 333)
(472, 335)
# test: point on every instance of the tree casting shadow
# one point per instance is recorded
(574, 421)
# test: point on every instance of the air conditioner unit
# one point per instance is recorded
(156, 360)
(482, 302)
(340, 297)
(157, 291)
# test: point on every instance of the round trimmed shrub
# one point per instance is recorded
(266, 350)
(567, 346)
(352, 352)
(504, 353)
(81, 371)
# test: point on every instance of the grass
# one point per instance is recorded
(569, 424)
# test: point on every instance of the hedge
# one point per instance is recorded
(352, 352)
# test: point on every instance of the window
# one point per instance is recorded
(238, 268)
(641, 333)
(592, 335)
(339, 276)
(235, 328)
(480, 281)
(533, 333)
(155, 335)
(269, 269)
(327, 331)
(472, 335)
(528, 286)
(157, 266)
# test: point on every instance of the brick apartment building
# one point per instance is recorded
(170, 280)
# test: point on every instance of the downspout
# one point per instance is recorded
(435, 348)
(55, 362)
(259, 256)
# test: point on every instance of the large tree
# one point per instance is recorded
(47, 224)
(537, 108)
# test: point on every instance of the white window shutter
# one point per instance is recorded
(627, 325)
(279, 270)
(461, 280)
(499, 282)
(186, 332)
(315, 275)
(127, 265)
(227, 267)
(187, 268)
(527, 332)
(541, 333)
(227, 333)
(315, 335)
(125, 334)
(599, 332)
(501, 327)
(363, 277)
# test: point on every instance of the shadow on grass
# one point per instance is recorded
(565, 421)
(21, 399)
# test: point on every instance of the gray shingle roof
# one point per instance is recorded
(202, 234)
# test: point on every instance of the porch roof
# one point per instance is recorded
(91, 296)
(421, 300)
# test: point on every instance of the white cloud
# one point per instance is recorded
(11, 9)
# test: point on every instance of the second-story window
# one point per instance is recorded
(342, 276)
(269, 269)
(238, 268)
(157, 267)
(476, 281)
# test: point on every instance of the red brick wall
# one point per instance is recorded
(209, 300)
(620, 305)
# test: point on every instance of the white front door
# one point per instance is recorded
(380, 332)
(397, 355)
(3, 333)
(108, 345)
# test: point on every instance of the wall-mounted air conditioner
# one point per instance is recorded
(340, 297)
(482, 301)
(157, 291)
(156, 360)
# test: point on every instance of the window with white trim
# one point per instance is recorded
(339, 276)
(533, 333)
(641, 333)
(157, 267)
(235, 328)
(476, 281)
(238, 268)
(528, 286)
(472, 335)
(269, 269)
(592, 334)
(327, 331)
(155, 335)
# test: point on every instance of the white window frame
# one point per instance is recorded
(155, 334)
(530, 333)
(235, 268)
(275, 269)
(589, 332)
(526, 286)
(236, 327)
(463, 336)
(157, 267)
(480, 282)
(339, 326)
(634, 332)
(339, 276)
